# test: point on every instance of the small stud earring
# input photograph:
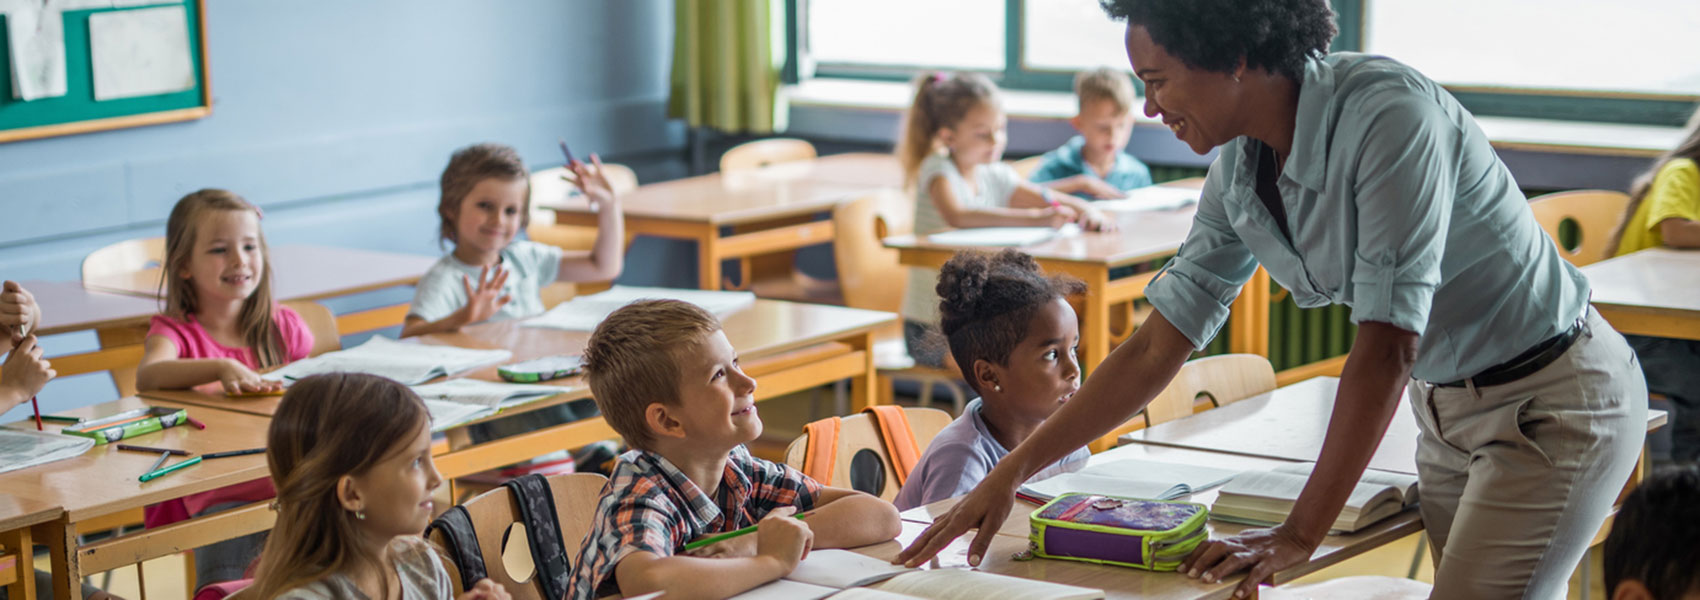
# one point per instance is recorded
(360, 514)
(997, 388)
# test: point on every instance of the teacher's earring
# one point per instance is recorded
(997, 388)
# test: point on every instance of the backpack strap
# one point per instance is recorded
(822, 450)
(543, 529)
(462, 539)
(899, 439)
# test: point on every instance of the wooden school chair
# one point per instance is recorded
(322, 322)
(127, 256)
(576, 496)
(761, 153)
(861, 458)
(547, 187)
(1593, 212)
(1026, 166)
(872, 278)
(124, 257)
(1201, 385)
(502, 538)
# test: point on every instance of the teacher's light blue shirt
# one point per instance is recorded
(1398, 207)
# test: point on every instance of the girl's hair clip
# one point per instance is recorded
(258, 214)
(938, 77)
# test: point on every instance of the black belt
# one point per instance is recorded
(1525, 364)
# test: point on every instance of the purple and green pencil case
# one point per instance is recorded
(1145, 534)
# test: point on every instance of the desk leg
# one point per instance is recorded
(22, 544)
(60, 535)
(708, 259)
(1249, 322)
(1095, 335)
(864, 387)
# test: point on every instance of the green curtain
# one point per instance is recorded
(726, 62)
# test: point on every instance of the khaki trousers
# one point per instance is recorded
(1516, 479)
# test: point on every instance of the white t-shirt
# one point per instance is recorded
(994, 183)
(530, 265)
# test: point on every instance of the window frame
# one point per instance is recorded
(1639, 108)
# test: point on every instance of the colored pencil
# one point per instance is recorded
(728, 535)
(151, 449)
(171, 469)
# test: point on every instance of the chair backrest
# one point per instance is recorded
(858, 434)
(1201, 384)
(507, 555)
(576, 495)
(1026, 166)
(869, 273)
(322, 322)
(124, 257)
(761, 153)
(1594, 213)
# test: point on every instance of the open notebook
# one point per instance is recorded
(457, 401)
(1001, 236)
(846, 574)
(1154, 197)
(22, 449)
(1265, 497)
(584, 313)
(409, 363)
(1130, 478)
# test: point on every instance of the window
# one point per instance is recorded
(1642, 47)
(1070, 36)
(910, 34)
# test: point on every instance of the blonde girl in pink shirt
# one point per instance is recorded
(220, 325)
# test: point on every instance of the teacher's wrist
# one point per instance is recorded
(1300, 530)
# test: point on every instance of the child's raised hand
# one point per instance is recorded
(592, 180)
(784, 538)
(485, 590)
(19, 314)
(1093, 219)
(483, 301)
(23, 374)
(236, 378)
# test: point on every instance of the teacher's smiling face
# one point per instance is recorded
(1198, 105)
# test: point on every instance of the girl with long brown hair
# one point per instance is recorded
(1664, 210)
(350, 455)
(219, 325)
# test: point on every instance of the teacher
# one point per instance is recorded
(1356, 180)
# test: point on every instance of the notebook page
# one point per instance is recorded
(21, 449)
(785, 589)
(1000, 236)
(1405, 483)
(406, 363)
(490, 394)
(1150, 198)
(584, 313)
(1109, 486)
(862, 593)
(1196, 478)
(963, 584)
(843, 568)
(445, 415)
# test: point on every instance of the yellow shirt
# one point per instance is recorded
(1675, 194)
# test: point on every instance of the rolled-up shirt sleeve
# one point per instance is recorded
(1195, 290)
(1407, 180)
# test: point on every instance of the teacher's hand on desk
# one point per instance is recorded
(1265, 551)
(983, 509)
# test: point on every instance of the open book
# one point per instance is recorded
(1265, 497)
(457, 401)
(21, 449)
(408, 363)
(846, 574)
(584, 313)
(1130, 478)
(1155, 197)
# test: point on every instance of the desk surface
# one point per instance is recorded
(1659, 278)
(1144, 236)
(766, 328)
(67, 306)
(301, 272)
(103, 480)
(1119, 582)
(746, 196)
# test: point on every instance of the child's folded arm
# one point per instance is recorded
(963, 217)
(689, 577)
(846, 518)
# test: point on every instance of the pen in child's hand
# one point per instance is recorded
(37, 408)
(569, 153)
(729, 535)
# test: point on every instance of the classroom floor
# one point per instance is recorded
(783, 420)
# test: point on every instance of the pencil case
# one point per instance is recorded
(1145, 534)
(542, 369)
(129, 424)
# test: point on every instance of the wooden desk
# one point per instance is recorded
(18, 516)
(1651, 292)
(773, 209)
(785, 346)
(1120, 582)
(301, 272)
(1290, 423)
(103, 482)
(1143, 237)
(66, 306)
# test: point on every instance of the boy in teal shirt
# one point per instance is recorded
(1093, 164)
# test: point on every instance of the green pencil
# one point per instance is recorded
(728, 535)
(171, 469)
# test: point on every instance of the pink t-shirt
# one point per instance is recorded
(193, 341)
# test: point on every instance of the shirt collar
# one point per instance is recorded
(1309, 157)
(734, 484)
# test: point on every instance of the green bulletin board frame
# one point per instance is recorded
(78, 112)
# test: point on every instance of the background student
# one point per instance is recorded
(1653, 550)
(1095, 164)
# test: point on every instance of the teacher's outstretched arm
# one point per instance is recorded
(1370, 386)
(1128, 379)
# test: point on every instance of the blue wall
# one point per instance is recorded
(337, 117)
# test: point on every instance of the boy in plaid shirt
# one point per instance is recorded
(668, 381)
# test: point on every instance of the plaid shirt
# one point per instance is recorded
(649, 506)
